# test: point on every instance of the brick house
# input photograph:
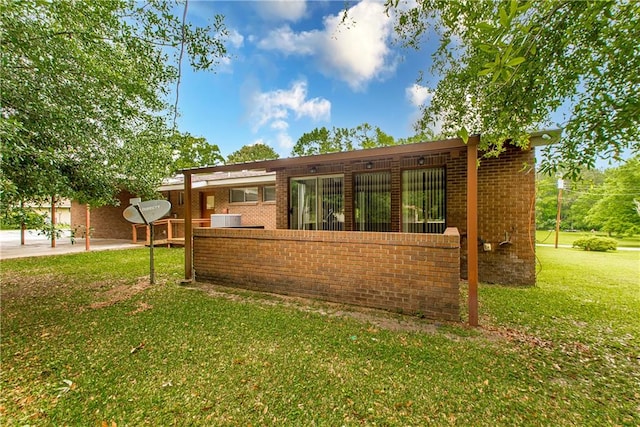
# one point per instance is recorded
(393, 227)
(248, 193)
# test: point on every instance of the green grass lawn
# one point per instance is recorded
(567, 238)
(86, 341)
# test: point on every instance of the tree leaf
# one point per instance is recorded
(484, 26)
(513, 9)
(487, 48)
(515, 61)
(463, 134)
(504, 18)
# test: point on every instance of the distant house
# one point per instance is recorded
(62, 210)
(394, 227)
(250, 194)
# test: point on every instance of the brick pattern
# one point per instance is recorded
(107, 222)
(506, 213)
(411, 273)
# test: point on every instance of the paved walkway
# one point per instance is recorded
(36, 245)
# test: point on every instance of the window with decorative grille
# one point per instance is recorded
(372, 201)
(424, 200)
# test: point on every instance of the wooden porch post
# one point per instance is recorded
(188, 229)
(87, 227)
(23, 226)
(53, 221)
(472, 228)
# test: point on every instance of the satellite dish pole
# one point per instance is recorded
(136, 204)
(155, 209)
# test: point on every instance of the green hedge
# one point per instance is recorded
(595, 243)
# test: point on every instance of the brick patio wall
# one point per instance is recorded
(410, 273)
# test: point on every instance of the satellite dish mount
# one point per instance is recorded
(147, 213)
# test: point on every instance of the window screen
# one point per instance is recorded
(372, 201)
(423, 200)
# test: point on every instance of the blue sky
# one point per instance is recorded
(294, 66)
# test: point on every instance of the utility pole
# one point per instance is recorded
(560, 188)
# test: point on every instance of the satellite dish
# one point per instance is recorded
(152, 210)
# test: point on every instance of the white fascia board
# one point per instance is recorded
(177, 187)
(243, 180)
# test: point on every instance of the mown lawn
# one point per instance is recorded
(86, 341)
(568, 237)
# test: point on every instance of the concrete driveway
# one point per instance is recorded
(36, 245)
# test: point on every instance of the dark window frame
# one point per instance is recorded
(245, 192)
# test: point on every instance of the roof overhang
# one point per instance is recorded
(540, 138)
(362, 154)
(266, 178)
(545, 137)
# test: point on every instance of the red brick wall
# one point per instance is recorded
(506, 204)
(412, 273)
(107, 221)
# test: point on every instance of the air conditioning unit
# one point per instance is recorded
(226, 220)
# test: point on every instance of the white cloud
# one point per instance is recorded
(418, 95)
(280, 125)
(235, 38)
(284, 140)
(286, 10)
(283, 39)
(275, 107)
(354, 49)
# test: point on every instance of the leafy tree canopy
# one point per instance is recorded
(190, 151)
(577, 198)
(616, 209)
(506, 66)
(84, 86)
(322, 140)
(603, 201)
(252, 153)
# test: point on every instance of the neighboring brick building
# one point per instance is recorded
(330, 207)
(107, 222)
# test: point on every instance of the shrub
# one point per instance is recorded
(596, 243)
